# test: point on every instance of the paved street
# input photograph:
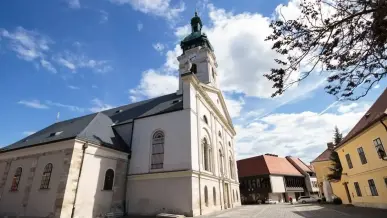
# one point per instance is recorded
(298, 211)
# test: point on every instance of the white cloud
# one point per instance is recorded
(154, 84)
(140, 26)
(73, 87)
(33, 104)
(27, 133)
(161, 8)
(30, 46)
(74, 61)
(159, 47)
(98, 105)
(234, 106)
(104, 16)
(69, 107)
(183, 31)
(74, 4)
(376, 86)
(302, 134)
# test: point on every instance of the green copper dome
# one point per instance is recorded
(196, 38)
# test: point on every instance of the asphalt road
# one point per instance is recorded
(299, 211)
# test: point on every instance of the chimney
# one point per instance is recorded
(330, 145)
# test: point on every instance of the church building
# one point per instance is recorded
(170, 154)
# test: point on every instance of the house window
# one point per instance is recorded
(206, 196)
(229, 144)
(357, 188)
(231, 168)
(109, 179)
(44, 184)
(213, 73)
(233, 195)
(16, 179)
(214, 194)
(385, 181)
(220, 134)
(349, 162)
(371, 183)
(194, 69)
(206, 155)
(379, 148)
(158, 150)
(205, 119)
(362, 156)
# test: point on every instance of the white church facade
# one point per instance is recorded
(171, 154)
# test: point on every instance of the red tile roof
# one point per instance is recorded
(374, 114)
(301, 164)
(323, 156)
(266, 165)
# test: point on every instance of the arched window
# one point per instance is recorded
(16, 179)
(194, 69)
(220, 134)
(206, 155)
(221, 161)
(233, 195)
(205, 119)
(229, 144)
(109, 179)
(214, 194)
(44, 184)
(231, 168)
(237, 198)
(206, 196)
(157, 150)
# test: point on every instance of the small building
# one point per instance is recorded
(363, 157)
(269, 177)
(308, 173)
(321, 165)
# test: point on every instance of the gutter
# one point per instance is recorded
(385, 126)
(79, 177)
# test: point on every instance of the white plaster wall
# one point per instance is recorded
(277, 184)
(277, 197)
(314, 179)
(210, 183)
(177, 148)
(11, 202)
(42, 201)
(153, 196)
(92, 200)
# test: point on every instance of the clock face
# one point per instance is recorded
(192, 57)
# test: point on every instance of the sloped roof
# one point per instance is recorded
(301, 164)
(374, 114)
(98, 128)
(266, 165)
(324, 156)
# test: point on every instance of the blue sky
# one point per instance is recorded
(81, 56)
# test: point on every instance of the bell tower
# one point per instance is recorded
(198, 56)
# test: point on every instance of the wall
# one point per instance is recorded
(277, 184)
(177, 150)
(375, 168)
(92, 200)
(339, 191)
(30, 200)
(160, 192)
(314, 179)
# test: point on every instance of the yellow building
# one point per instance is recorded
(327, 189)
(363, 158)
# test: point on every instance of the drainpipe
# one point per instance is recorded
(385, 126)
(84, 146)
(127, 171)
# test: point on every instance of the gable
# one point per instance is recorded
(218, 100)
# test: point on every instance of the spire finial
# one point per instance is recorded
(196, 11)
